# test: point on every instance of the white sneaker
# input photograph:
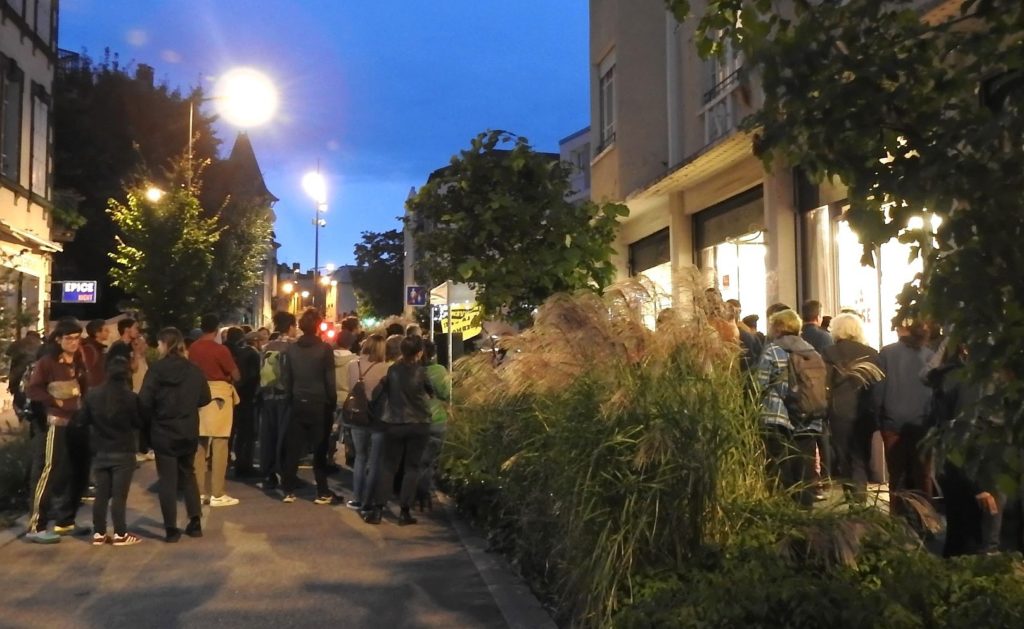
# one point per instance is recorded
(289, 498)
(223, 501)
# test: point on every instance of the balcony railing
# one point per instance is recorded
(719, 110)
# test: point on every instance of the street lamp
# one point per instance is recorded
(154, 194)
(244, 97)
(316, 187)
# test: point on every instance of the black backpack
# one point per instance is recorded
(808, 386)
(356, 409)
(26, 409)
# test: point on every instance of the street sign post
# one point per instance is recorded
(78, 292)
(416, 295)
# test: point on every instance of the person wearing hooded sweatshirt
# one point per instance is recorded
(58, 383)
(790, 444)
(309, 381)
(172, 394)
(112, 413)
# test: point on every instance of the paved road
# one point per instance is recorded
(261, 563)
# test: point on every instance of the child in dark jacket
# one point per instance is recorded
(112, 412)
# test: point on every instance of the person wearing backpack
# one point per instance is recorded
(274, 400)
(364, 377)
(792, 380)
(112, 413)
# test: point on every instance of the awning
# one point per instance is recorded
(30, 239)
(705, 163)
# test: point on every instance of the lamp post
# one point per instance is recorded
(316, 188)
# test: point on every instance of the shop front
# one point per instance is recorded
(730, 243)
(835, 275)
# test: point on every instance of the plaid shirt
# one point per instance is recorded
(772, 377)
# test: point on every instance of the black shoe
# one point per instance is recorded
(405, 518)
(194, 528)
(372, 515)
(173, 535)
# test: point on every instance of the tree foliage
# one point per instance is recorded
(378, 278)
(110, 125)
(499, 220)
(915, 117)
(164, 255)
(246, 228)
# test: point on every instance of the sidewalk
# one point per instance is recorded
(262, 563)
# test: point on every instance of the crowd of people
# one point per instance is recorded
(215, 401)
(833, 409)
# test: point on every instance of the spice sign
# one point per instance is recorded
(78, 292)
(466, 320)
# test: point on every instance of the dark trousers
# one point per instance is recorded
(851, 447)
(80, 460)
(909, 467)
(401, 440)
(113, 473)
(969, 528)
(305, 433)
(177, 473)
(273, 429)
(791, 460)
(243, 430)
(50, 471)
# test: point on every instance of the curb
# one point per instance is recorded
(517, 604)
(15, 531)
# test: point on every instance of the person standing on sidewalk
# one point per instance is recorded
(58, 382)
(407, 417)
(112, 413)
(367, 441)
(243, 429)
(172, 394)
(274, 400)
(93, 348)
(310, 383)
(215, 419)
(441, 382)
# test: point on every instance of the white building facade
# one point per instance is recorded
(28, 59)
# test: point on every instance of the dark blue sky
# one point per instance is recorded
(382, 92)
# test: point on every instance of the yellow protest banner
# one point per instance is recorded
(466, 319)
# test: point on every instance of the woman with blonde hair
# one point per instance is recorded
(789, 440)
(852, 369)
(172, 393)
(370, 367)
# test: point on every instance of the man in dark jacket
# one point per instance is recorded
(310, 382)
(812, 332)
(243, 428)
(172, 394)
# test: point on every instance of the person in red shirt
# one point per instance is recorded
(93, 348)
(220, 370)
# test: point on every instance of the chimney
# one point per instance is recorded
(144, 74)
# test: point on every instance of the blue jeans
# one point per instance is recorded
(428, 468)
(273, 428)
(366, 466)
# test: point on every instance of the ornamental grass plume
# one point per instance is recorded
(608, 444)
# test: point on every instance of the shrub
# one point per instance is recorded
(15, 458)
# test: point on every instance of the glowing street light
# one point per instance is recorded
(245, 97)
(316, 187)
(154, 194)
(287, 288)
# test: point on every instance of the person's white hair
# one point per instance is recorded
(847, 326)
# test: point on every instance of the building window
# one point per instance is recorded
(606, 95)
(40, 174)
(11, 83)
(721, 80)
(44, 20)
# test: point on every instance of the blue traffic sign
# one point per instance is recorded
(416, 296)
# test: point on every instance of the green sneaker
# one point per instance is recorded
(64, 530)
(42, 537)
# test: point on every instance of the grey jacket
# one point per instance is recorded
(309, 371)
(902, 398)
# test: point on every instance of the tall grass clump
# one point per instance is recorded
(601, 448)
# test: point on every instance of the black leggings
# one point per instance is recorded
(306, 432)
(178, 472)
(113, 473)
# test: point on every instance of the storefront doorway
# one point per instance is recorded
(652, 257)
(835, 275)
(732, 250)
